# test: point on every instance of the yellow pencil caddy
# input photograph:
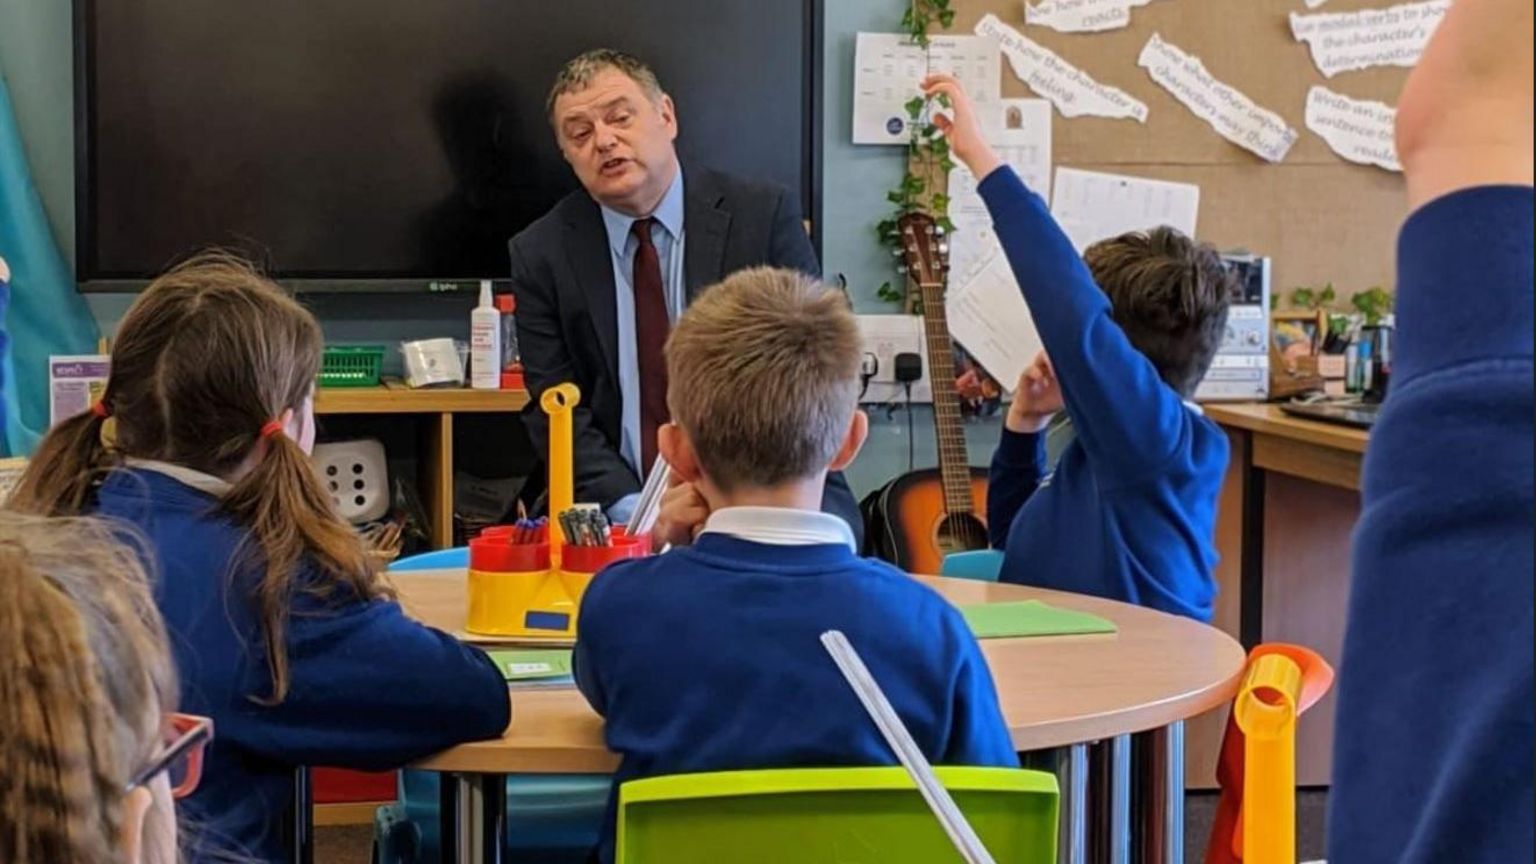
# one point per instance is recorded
(534, 590)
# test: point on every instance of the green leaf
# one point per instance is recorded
(906, 18)
(943, 99)
(940, 4)
(914, 107)
(930, 130)
(896, 197)
(940, 201)
(947, 164)
(939, 146)
(945, 223)
(947, 18)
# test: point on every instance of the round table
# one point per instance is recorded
(1057, 693)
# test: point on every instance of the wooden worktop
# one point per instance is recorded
(393, 397)
(1268, 419)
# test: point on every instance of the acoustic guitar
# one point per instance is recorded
(918, 518)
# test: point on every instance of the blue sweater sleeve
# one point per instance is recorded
(978, 733)
(1433, 755)
(372, 689)
(1130, 422)
(1017, 464)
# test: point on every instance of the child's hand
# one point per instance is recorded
(1037, 398)
(680, 517)
(961, 126)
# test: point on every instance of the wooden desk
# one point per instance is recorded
(1156, 671)
(1288, 505)
(435, 410)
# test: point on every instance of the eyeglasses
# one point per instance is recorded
(181, 757)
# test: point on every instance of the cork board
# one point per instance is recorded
(1320, 218)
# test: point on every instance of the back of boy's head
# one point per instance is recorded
(206, 358)
(1170, 295)
(763, 376)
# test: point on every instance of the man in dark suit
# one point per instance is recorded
(602, 276)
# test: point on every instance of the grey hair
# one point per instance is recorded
(577, 74)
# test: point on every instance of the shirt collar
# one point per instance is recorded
(669, 213)
(218, 487)
(781, 526)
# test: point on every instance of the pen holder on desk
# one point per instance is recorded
(513, 591)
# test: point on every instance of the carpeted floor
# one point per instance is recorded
(354, 844)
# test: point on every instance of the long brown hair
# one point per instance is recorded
(208, 355)
(85, 677)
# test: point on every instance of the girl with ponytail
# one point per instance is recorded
(282, 626)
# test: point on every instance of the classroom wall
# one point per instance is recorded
(36, 59)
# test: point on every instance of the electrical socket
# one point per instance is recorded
(885, 336)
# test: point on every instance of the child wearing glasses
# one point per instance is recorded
(91, 757)
(283, 630)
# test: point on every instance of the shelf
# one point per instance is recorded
(393, 397)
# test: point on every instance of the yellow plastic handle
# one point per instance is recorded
(558, 402)
(1266, 709)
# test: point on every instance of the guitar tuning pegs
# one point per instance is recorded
(944, 248)
(939, 230)
(902, 269)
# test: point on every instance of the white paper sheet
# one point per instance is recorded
(1020, 132)
(1091, 206)
(889, 69)
(1345, 41)
(1081, 16)
(1356, 129)
(1072, 91)
(1233, 115)
(990, 320)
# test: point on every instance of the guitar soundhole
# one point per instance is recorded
(961, 533)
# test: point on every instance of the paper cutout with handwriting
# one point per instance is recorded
(1358, 130)
(1081, 16)
(1233, 115)
(1070, 89)
(1346, 41)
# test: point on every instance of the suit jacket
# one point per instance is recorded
(567, 326)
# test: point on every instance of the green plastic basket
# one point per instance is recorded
(351, 366)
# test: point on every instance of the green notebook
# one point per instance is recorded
(1030, 618)
(533, 664)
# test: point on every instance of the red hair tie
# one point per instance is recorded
(273, 427)
(100, 409)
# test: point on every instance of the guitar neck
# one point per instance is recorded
(954, 461)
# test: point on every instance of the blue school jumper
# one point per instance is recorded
(1432, 754)
(369, 688)
(1130, 511)
(709, 658)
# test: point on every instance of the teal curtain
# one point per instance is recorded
(46, 314)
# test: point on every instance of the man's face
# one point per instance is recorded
(618, 141)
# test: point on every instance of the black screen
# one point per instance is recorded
(393, 139)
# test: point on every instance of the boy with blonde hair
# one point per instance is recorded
(708, 657)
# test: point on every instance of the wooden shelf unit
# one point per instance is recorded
(436, 409)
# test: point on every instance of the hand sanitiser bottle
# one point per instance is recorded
(485, 342)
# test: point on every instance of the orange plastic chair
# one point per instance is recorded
(1256, 815)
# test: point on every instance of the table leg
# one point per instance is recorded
(455, 819)
(492, 794)
(1158, 795)
(1120, 800)
(1070, 765)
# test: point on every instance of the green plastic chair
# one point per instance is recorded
(827, 815)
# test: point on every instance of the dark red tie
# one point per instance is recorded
(651, 326)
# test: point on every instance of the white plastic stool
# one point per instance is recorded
(356, 476)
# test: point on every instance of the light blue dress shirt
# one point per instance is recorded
(668, 235)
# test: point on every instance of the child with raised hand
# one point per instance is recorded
(283, 628)
(1129, 329)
